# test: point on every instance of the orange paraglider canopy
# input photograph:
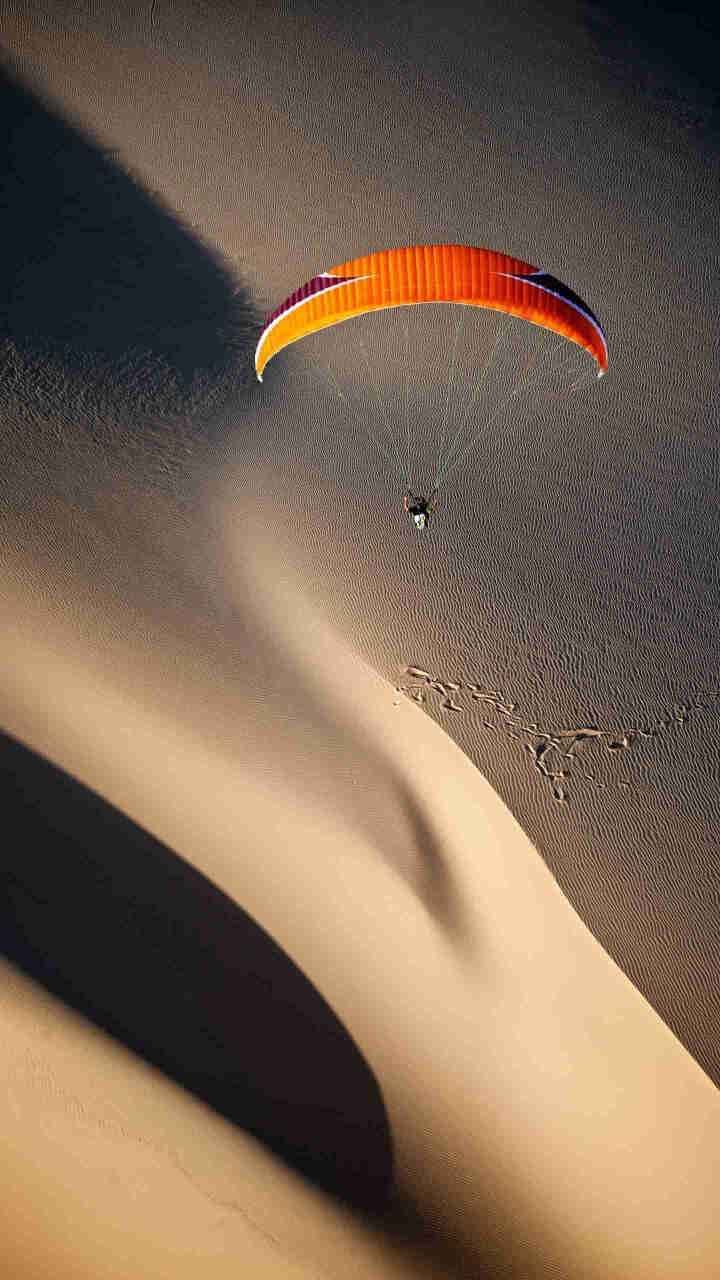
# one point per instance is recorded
(432, 273)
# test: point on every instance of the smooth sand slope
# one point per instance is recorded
(540, 1111)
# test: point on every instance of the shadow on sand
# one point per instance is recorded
(137, 940)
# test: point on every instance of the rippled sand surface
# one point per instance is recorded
(343, 853)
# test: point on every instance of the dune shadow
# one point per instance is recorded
(437, 887)
(118, 325)
(673, 51)
(133, 937)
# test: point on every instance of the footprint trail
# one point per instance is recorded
(575, 754)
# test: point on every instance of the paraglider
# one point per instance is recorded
(446, 273)
(432, 273)
(419, 509)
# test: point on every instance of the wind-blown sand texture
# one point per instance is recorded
(335, 852)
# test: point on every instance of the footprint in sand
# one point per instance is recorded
(540, 743)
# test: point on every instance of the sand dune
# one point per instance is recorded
(524, 1077)
(400, 790)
